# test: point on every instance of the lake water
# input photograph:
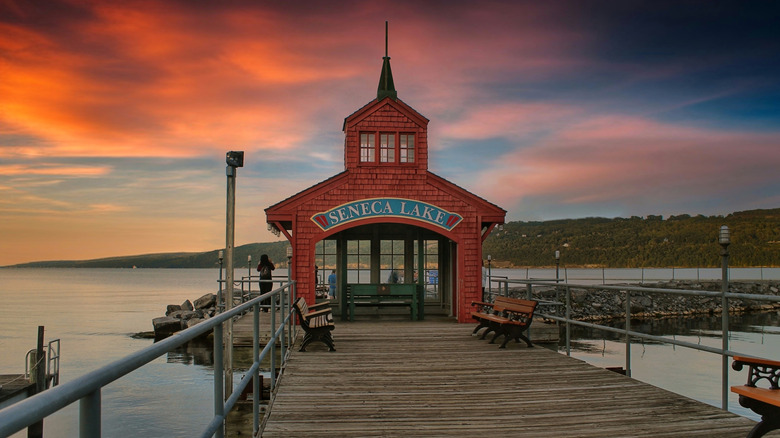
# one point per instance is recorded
(94, 312)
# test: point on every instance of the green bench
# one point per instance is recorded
(380, 295)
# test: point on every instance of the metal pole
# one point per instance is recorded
(219, 388)
(724, 240)
(568, 319)
(38, 373)
(249, 274)
(229, 276)
(628, 329)
(256, 389)
(234, 159)
(490, 280)
(89, 415)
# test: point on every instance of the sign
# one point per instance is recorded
(386, 207)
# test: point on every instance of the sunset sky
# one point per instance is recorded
(115, 116)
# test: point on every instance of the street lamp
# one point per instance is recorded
(234, 160)
(724, 239)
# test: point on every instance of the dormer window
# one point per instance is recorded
(393, 147)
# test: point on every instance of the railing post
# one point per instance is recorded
(724, 240)
(568, 319)
(529, 290)
(89, 415)
(273, 343)
(219, 382)
(628, 329)
(283, 314)
(256, 389)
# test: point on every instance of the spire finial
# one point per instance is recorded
(386, 86)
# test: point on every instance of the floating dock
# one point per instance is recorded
(14, 388)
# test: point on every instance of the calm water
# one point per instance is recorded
(94, 312)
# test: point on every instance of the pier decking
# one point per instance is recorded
(431, 378)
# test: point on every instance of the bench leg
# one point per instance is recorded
(770, 416)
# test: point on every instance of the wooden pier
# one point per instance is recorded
(431, 378)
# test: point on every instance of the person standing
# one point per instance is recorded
(266, 268)
(332, 285)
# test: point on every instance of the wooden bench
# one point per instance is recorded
(506, 316)
(381, 295)
(316, 321)
(763, 401)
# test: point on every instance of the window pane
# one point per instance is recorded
(387, 148)
(406, 148)
(367, 143)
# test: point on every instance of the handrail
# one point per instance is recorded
(627, 332)
(87, 388)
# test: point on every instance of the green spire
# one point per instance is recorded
(386, 86)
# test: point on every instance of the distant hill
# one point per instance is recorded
(652, 241)
(677, 241)
(277, 251)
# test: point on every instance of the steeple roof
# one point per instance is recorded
(386, 86)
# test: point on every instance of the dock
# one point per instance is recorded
(432, 378)
(14, 388)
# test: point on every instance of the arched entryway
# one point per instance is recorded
(394, 256)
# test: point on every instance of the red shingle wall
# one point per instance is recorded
(411, 181)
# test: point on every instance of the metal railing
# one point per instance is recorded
(87, 388)
(566, 288)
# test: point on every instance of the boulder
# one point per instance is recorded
(165, 326)
(194, 321)
(187, 305)
(172, 308)
(206, 301)
(184, 315)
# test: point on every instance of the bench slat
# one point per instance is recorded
(770, 396)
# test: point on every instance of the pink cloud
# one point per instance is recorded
(625, 158)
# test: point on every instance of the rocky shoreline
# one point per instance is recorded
(587, 305)
(603, 304)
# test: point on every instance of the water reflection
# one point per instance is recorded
(193, 353)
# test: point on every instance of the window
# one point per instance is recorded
(406, 144)
(393, 148)
(325, 259)
(367, 150)
(391, 261)
(359, 261)
(387, 148)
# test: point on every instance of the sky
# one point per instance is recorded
(115, 117)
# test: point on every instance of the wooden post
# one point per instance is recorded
(38, 376)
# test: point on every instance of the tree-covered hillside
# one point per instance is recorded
(680, 241)
(277, 251)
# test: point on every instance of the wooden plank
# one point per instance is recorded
(431, 378)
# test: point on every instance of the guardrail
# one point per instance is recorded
(724, 352)
(87, 388)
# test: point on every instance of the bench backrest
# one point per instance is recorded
(301, 306)
(515, 305)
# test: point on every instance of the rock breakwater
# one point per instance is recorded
(606, 304)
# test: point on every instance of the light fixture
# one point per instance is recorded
(724, 238)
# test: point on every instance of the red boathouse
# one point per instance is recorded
(386, 221)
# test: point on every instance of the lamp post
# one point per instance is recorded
(557, 265)
(234, 160)
(725, 239)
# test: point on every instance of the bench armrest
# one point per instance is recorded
(759, 369)
(317, 313)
